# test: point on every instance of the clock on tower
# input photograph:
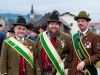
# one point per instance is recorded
(31, 16)
(32, 12)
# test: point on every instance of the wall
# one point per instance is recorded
(98, 30)
(67, 19)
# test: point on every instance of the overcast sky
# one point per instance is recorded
(44, 6)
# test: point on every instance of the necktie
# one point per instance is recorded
(81, 34)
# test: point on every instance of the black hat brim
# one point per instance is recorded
(53, 21)
(35, 31)
(21, 24)
(76, 18)
(11, 31)
(44, 28)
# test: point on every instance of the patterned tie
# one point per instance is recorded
(81, 34)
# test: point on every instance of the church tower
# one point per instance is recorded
(32, 15)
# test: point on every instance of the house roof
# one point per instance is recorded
(97, 27)
(94, 24)
(67, 13)
(43, 19)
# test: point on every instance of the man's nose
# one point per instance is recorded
(21, 30)
(54, 25)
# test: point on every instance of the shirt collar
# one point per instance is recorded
(85, 31)
(48, 35)
(22, 39)
(29, 35)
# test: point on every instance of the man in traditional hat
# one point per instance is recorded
(53, 45)
(34, 33)
(19, 53)
(86, 48)
(43, 27)
(10, 33)
(30, 26)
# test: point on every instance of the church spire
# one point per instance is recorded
(32, 11)
(32, 15)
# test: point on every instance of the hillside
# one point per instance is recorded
(14, 16)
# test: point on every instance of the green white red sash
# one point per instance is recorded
(52, 54)
(21, 49)
(83, 54)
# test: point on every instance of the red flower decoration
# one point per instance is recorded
(88, 43)
(12, 28)
(29, 47)
(44, 24)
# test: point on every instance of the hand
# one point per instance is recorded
(80, 66)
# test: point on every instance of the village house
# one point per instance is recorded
(68, 20)
(95, 27)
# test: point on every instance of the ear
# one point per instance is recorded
(14, 28)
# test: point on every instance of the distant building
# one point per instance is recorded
(95, 27)
(97, 30)
(3, 23)
(43, 19)
(69, 24)
(32, 15)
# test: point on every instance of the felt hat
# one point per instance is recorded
(30, 26)
(21, 21)
(36, 29)
(11, 30)
(82, 15)
(44, 26)
(54, 17)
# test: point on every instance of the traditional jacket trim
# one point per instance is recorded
(21, 49)
(4, 74)
(83, 54)
(52, 54)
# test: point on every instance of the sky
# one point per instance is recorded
(44, 6)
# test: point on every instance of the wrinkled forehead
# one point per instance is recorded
(81, 19)
(20, 26)
(53, 22)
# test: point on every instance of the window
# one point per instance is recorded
(71, 24)
(99, 33)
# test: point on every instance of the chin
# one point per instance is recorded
(21, 36)
(53, 31)
(80, 28)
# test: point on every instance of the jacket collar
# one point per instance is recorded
(20, 39)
